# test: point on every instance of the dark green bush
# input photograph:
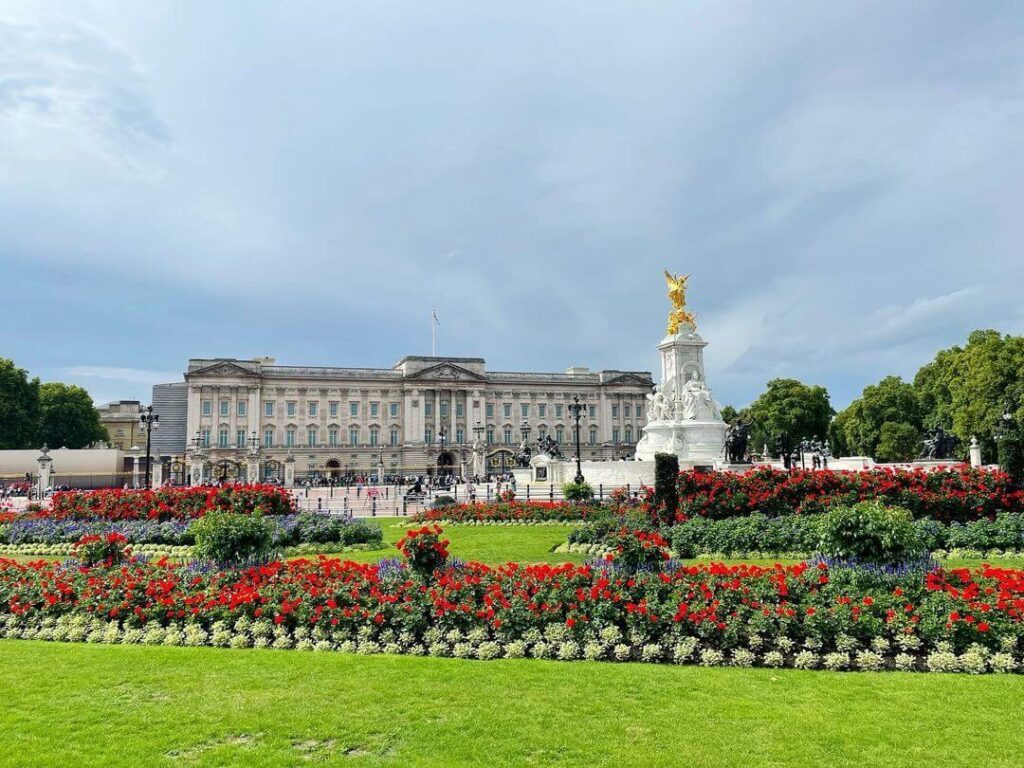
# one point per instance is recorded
(227, 537)
(666, 492)
(444, 501)
(870, 532)
(739, 536)
(577, 492)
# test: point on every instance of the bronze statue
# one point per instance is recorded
(677, 295)
(938, 445)
(547, 444)
(736, 438)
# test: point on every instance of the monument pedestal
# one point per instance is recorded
(684, 418)
(693, 442)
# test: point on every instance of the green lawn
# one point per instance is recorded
(486, 543)
(528, 544)
(93, 705)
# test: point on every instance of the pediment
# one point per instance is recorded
(629, 380)
(224, 369)
(447, 372)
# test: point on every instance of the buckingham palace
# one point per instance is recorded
(422, 416)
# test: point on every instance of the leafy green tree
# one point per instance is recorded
(19, 406)
(789, 410)
(67, 417)
(729, 413)
(965, 389)
(858, 429)
(898, 441)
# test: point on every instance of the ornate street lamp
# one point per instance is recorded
(148, 421)
(576, 411)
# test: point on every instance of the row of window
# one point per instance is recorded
(291, 408)
(291, 437)
(394, 437)
(312, 409)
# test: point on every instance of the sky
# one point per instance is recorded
(307, 181)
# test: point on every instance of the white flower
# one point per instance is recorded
(711, 657)
(845, 643)
(568, 650)
(593, 651)
(541, 650)
(806, 660)
(905, 662)
(488, 650)
(1003, 662)
(942, 661)
(836, 661)
(651, 652)
(869, 661)
(622, 652)
(462, 650)
(773, 659)
(515, 649)
(240, 640)
(684, 650)
(741, 657)
(438, 649)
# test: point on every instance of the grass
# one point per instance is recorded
(532, 544)
(100, 705)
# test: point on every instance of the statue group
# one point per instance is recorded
(694, 403)
(736, 438)
(546, 445)
(938, 445)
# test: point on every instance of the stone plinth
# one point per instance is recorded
(683, 417)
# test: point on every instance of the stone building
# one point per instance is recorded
(121, 418)
(419, 417)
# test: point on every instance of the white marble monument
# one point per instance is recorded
(682, 416)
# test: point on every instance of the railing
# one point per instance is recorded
(393, 501)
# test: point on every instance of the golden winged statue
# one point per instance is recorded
(677, 295)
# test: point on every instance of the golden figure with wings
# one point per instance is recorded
(677, 295)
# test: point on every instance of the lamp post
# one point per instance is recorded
(148, 421)
(478, 451)
(523, 457)
(576, 411)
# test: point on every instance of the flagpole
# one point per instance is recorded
(433, 333)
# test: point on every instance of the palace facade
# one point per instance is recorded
(421, 416)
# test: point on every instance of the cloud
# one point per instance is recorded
(69, 80)
(843, 191)
(135, 375)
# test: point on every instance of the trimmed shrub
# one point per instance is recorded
(666, 492)
(577, 492)
(870, 532)
(226, 537)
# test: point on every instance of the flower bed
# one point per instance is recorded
(790, 535)
(800, 616)
(957, 494)
(168, 503)
(507, 512)
(314, 529)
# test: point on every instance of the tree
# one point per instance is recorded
(67, 417)
(789, 411)
(858, 429)
(729, 413)
(19, 406)
(965, 389)
(898, 441)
